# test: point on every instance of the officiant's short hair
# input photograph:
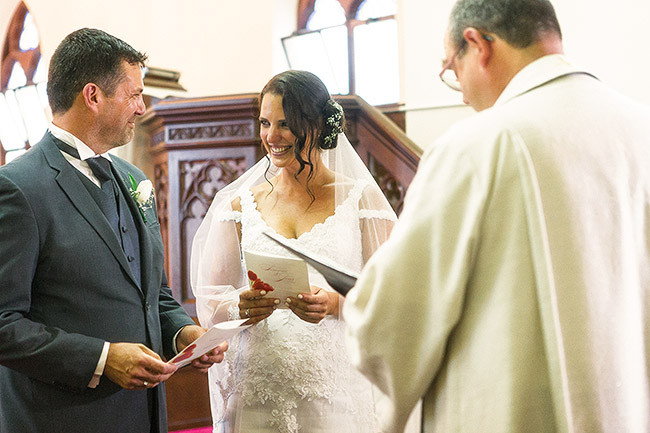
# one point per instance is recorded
(518, 22)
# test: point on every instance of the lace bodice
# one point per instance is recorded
(297, 374)
(323, 238)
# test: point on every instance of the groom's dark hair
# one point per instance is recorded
(87, 56)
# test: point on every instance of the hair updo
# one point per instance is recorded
(332, 125)
(312, 116)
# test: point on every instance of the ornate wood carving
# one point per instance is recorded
(200, 180)
(161, 188)
(389, 154)
(198, 146)
(393, 189)
(211, 132)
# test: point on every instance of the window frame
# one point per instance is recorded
(351, 8)
(12, 54)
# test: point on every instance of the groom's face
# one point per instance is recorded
(117, 119)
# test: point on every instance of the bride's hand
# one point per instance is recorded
(253, 305)
(313, 307)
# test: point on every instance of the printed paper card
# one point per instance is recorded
(208, 341)
(287, 276)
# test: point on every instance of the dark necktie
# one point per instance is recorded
(112, 204)
(101, 168)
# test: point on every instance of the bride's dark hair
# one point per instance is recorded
(313, 118)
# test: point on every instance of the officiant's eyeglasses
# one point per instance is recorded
(448, 75)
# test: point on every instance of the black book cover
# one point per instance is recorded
(340, 280)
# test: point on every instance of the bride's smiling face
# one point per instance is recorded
(277, 138)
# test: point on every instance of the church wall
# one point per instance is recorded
(227, 47)
(220, 47)
(604, 37)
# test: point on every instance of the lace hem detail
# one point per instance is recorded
(281, 379)
(378, 214)
(357, 191)
(233, 215)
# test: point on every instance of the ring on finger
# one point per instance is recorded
(247, 313)
(145, 383)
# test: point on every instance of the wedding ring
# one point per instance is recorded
(247, 312)
(145, 383)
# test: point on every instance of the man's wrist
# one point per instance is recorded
(101, 364)
(175, 341)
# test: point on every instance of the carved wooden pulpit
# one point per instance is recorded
(198, 146)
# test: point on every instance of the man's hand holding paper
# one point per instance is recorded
(188, 336)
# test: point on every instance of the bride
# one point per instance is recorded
(290, 371)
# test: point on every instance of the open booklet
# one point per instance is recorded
(208, 341)
(340, 280)
(287, 275)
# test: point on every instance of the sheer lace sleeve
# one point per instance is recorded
(217, 273)
(376, 218)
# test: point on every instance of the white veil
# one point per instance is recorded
(217, 273)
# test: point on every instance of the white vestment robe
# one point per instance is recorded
(514, 292)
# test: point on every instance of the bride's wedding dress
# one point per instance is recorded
(285, 375)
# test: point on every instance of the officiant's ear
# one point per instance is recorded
(91, 94)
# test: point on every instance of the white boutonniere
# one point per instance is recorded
(142, 193)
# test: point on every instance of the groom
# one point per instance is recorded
(85, 311)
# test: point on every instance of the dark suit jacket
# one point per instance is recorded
(65, 288)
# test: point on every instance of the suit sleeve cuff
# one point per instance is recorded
(99, 370)
(174, 346)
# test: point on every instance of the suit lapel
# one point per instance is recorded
(83, 202)
(143, 231)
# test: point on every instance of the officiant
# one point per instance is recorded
(86, 315)
(514, 293)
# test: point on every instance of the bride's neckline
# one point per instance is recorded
(348, 198)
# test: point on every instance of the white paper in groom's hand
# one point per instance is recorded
(287, 275)
(208, 341)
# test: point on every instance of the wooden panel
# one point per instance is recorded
(188, 401)
(199, 175)
(198, 146)
(390, 155)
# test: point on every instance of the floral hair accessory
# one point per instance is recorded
(142, 193)
(333, 123)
